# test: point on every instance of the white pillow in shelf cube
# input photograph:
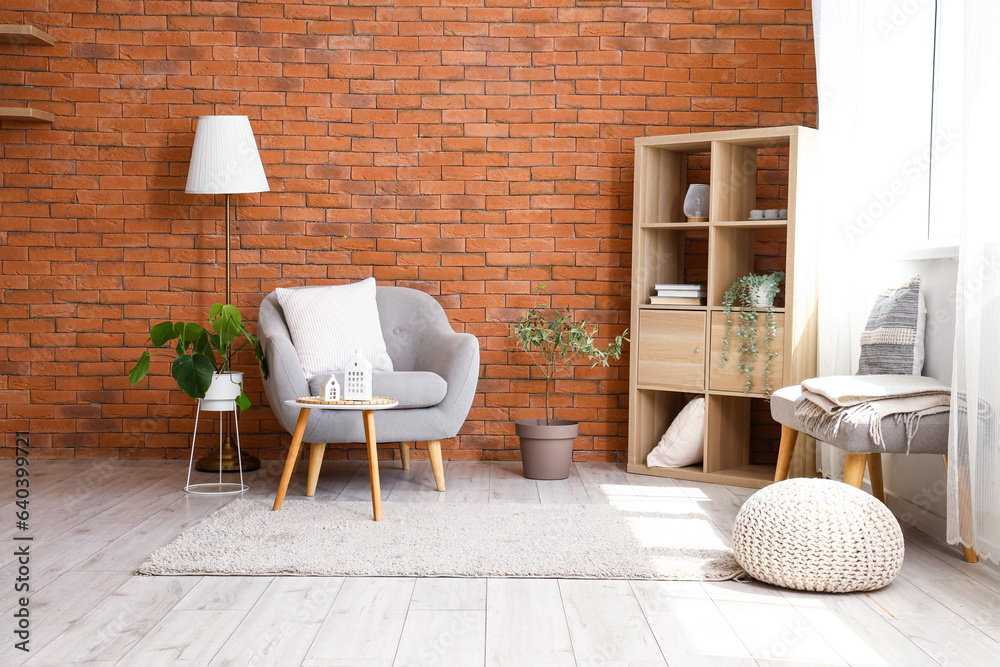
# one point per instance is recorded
(331, 389)
(358, 379)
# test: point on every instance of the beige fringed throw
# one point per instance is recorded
(832, 401)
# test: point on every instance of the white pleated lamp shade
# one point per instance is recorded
(224, 158)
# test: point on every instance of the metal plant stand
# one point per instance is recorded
(217, 488)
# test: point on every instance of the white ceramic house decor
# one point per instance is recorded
(331, 389)
(358, 379)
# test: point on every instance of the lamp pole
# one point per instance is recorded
(228, 459)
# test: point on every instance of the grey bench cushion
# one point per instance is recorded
(413, 389)
(931, 436)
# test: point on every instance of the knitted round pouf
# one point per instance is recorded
(818, 535)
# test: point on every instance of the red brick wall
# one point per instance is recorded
(468, 151)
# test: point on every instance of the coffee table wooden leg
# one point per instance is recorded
(293, 454)
(369, 417)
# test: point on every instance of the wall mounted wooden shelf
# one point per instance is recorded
(26, 113)
(675, 350)
(11, 33)
(24, 34)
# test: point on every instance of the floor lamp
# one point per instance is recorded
(225, 161)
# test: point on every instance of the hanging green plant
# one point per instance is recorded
(751, 294)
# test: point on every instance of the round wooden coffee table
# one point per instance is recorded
(367, 408)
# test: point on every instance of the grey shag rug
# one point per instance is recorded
(308, 538)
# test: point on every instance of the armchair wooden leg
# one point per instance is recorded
(404, 455)
(854, 469)
(434, 452)
(316, 451)
(785, 450)
(970, 554)
(875, 473)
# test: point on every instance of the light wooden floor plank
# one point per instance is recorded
(416, 485)
(118, 622)
(941, 633)
(605, 483)
(224, 594)
(508, 485)
(365, 621)
(688, 626)
(466, 482)
(442, 639)
(134, 546)
(172, 643)
(58, 606)
(858, 634)
(606, 623)
(772, 629)
(571, 490)
(359, 487)
(526, 624)
(282, 625)
(445, 594)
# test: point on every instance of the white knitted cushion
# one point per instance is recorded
(818, 535)
(329, 324)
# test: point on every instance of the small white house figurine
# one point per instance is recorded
(358, 379)
(331, 389)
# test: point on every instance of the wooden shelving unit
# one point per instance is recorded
(675, 350)
(25, 34)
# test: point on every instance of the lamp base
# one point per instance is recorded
(230, 461)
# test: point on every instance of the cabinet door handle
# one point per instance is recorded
(697, 349)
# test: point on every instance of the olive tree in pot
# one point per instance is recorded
(554, 341)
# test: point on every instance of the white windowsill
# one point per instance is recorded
(933, 249)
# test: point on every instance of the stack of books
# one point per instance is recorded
(668, 294)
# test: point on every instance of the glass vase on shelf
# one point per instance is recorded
(696, 203)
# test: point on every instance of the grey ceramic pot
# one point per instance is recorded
(546, 449)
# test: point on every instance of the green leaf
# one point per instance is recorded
(192, 332)
(139, 370)
(243, 401)
(193, 374)
(162, 333)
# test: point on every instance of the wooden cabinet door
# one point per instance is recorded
(671, 349)
(728, 377)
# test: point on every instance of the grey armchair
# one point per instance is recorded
(434, 378)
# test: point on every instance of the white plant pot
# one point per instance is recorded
(759, 296)
(223, 392)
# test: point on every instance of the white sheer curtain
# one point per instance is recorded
(874, 86)
(974, 442)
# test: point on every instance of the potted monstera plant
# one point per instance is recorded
(202, 358)
(744, 300)
(554, 341)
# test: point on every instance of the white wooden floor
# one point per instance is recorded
(94, 522)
